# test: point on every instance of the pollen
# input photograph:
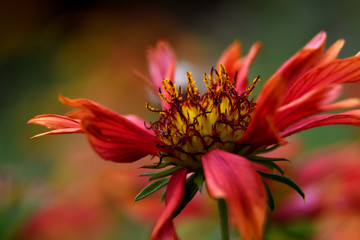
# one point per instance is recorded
(193, 124)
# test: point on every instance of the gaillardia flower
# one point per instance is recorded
(217, 137)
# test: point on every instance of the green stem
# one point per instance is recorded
(224, 220)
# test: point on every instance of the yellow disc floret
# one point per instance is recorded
(194, 124)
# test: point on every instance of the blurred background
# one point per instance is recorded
(57, 187)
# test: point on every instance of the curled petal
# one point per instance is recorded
(349, 118)
(55, 121)
(113, 136)
(307, 105)
(235, 179)
(164, 228)
(61, 124)
(336, 72)
(59, 131)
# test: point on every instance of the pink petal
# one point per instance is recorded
(139, 122)
(317, 41)
(305, 106)
(347, 103)
(234, 178)
(242, 77)
(161, 65)
(295, 207)
(114, 137)
(348, 118)
(59, 131)
(164, 228)
(335, 72)
(61, 124)
(55, 121)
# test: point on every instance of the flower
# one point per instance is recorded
(330, 179)
(216, 137)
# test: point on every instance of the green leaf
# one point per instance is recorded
(156, 166)
(151, 188)
(283, 179)
(165, 173)
(191, 188)
(270, 199)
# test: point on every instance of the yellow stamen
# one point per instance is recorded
(195, 124)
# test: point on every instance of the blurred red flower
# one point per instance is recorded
(330, 180)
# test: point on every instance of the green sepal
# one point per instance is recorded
(151, 188)
(265, 150)
(163, 195)
(156, 165)
(270, 165)
(192, 186)
(283, 179)
(270, 198)
(261, 158)
(165, 173)
(198, 179)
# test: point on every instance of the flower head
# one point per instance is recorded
(216, 137)
(194, 125)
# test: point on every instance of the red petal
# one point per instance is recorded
(62, 124)
(114, 137)
(161, 65)
(347, 103)
(230, 58)
(335, 72)
(234, 178)
(302, 61)
(305, 106)
(164, 228)
(332, 52)
(236, 65)
(139, 122)
(55, 121)
(242, 77)
(348, 118)
(59, 131)
(261, 129)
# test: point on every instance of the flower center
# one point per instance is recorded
(193, 125)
